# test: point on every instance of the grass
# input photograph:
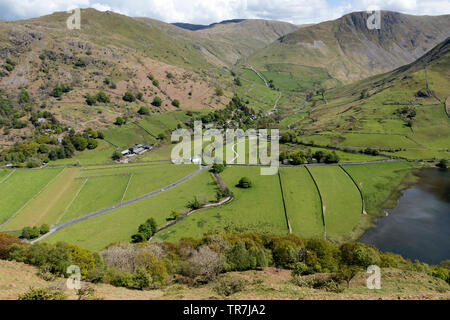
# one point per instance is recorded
(20, 187)
(302, 202)
(49, 204)
(102, 154)
(379, 182)
(341, 199)
(96, 194)
(120, 224)
(258, 209)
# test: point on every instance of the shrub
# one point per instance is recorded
(91, 100)
(119, 121)
(326, 253)
(129, 97)
(102, 97)
(204, 264)
(153, 266)
(138, 237)
(155, 83)
(443, 164)
(157, 101)
(5, 241)
(238, 258)
(92, 144)
(218, 168)
(30, 233)
(144, 111)
(80, 143)
(359, 254)
(119, 279)
(245, 183)
(42, 294)
(300, 269)
(228, 286)
(176, 103)
(45, 228)
(141, 279)
(318, 283)
(83, 258)
(116, 155)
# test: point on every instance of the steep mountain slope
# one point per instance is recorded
(111, 53)
(400, 113)
(228, 43)
(350, 51)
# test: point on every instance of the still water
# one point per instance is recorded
(419, 227)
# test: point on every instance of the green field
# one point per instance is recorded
(119, 225)
(341, 199)
(258, 209)
(378, 182)
(20, 187)
(49, 204)
(302, 202)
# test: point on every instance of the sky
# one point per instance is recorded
(209, 11)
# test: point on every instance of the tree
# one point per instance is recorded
(102, 97)
(138, 238)
(347, 273)
(116, 155)
(174, 215)
(92, 144)
(176, 103)
(91, 100)
(443, 164)
(43, 148)
(245, 183)
(80, 143)
(157, 101)
(129, 97)
(119, 121)
(218, 168)
(45, 228)
(30, 233)
(144, 110)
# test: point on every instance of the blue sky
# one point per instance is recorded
(208, 11)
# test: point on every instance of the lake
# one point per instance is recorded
(419, 227)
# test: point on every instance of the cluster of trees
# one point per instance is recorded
(60, 89)
(31, 233)
(199, 261)
(100, 97)
(236, 112)
(145, 231)
(300, 157)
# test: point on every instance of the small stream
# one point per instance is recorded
(419, 227)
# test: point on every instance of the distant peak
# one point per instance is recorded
(195, 27)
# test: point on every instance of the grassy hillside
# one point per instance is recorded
(349, 51)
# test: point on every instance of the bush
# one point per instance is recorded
(119, 279)
(176, 103)
(116, 155)
(443, 164)
(318, 283)
(228, 286)
(203, 265)
(102, 97)
(45, 228)
(5, 241)
(245, 183)
(300, 269)
(141, 279)
(238, 258)
(119, 121)
(42, 294)
(153, 266)
(92, 144)
(218, 168)
(144, 111)
(327, 254)
(129, 97)
(91, 100)
(359, 254)
(157, 101)
(30, 233)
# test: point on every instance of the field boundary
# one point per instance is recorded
(363, 207)
(284, 204)
(57, 227)
(321, 202)
(6, 178)
(126, 188)
(72, 201)
(31, 199)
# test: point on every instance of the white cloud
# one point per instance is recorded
(208, 11)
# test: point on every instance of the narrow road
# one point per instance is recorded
(57, 227)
